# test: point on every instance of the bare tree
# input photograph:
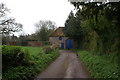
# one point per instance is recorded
(45, 23)
(44, 29)
(7, 24)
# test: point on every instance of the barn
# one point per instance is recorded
(58, 39)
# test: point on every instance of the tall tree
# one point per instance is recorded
(44, 29)
(99, 20)
(73, 28)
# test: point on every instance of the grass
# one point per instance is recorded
(104, 66)
(37, 59)
(33, 50)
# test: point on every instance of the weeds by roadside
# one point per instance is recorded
(104, 66)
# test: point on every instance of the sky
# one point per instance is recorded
(29, 12)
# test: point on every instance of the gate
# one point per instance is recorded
(69, 44)
(62, 45)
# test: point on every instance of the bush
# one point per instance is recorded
(48, 49)
(13, 56)
(30, 65)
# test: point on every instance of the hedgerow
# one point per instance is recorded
(26, 66)
(104, 66)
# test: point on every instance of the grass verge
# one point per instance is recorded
(104, 66)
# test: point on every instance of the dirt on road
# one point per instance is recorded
(67, 65)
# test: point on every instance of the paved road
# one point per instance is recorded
(67, 65)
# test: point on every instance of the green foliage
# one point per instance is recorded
(33, 50)
(48, 49)
(102, 33)
(73, 29)
(44, 29)
(104, 66)
(37, 62)
(100, 24)
(95, 26)
(13, 56)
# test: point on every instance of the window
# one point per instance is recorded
(60, 38)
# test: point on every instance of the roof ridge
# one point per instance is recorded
(57, 32)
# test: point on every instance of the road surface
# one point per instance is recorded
(67, 65)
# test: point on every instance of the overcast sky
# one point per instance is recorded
(28, 12)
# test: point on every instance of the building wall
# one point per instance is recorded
(14, 42)
(35, 43)
(56, 42)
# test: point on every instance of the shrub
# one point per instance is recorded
(31, 64)
(100, 66)
(13, 56)
(48, 49)
(9, 55)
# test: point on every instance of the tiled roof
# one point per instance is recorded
(58, 32)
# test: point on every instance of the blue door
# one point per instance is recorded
(62, 45)
(69, 44)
